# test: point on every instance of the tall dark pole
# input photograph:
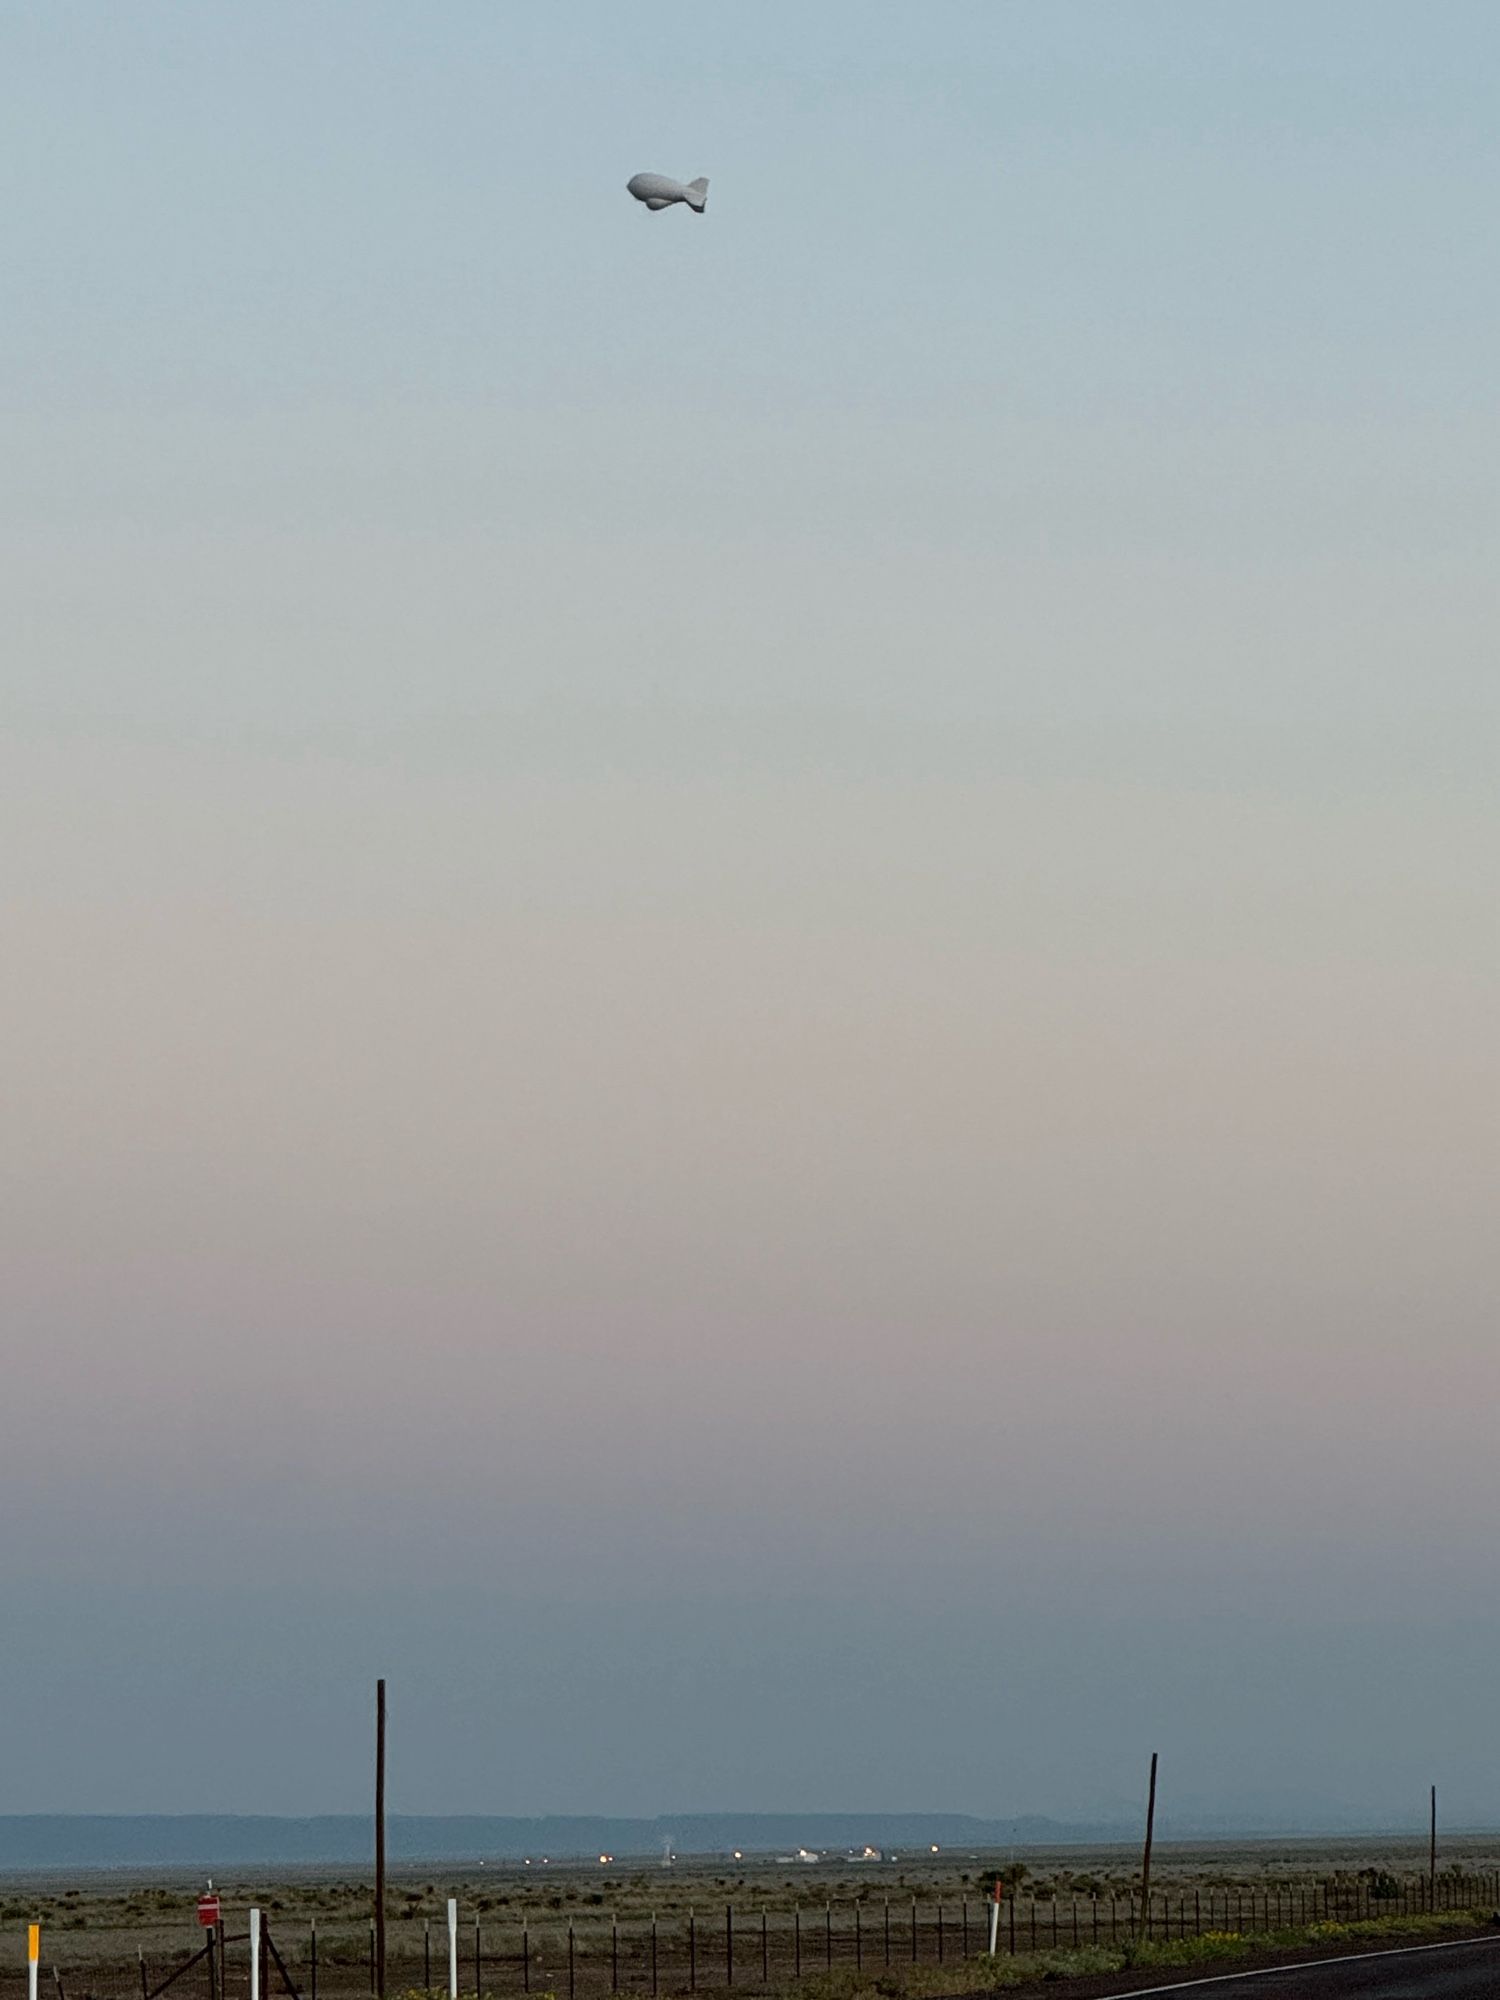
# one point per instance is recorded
(380, 1840)
(1432, 1856)
(1146, 1858)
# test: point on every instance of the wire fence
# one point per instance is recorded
(588, 1954)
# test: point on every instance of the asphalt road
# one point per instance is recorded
(1469, 1971)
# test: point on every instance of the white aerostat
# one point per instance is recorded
(657, 191)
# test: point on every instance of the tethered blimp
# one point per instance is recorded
(657, 191)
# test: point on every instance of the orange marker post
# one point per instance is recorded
(33, 1957)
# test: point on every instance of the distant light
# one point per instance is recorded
(934, 1849)
(528, 1861)
(605, 1859)
(737, 1855)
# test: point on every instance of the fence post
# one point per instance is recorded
(729, 1944)
(859, 1955)
(141, 1956)
(478, 1965)
(570, 1960)
(525, 1956)
(312, 1959)
(940, 1930)
(765, 1950)
(692, 1951)
(453, 1948)
(426, 1954)
(913, 1930)
(653, 1951)
(887, 1930)
(828, 1937)
(255, 1955)
(797, 1942)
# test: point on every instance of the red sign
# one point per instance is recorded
(208, 1911)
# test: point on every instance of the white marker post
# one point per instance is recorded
(33, 1957)
(452, 1949)
(255, 1955)
(995, 1916)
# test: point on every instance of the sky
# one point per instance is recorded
(749, 962)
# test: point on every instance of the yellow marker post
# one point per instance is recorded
(33, 1957)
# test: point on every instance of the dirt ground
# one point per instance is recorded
(110, 1935)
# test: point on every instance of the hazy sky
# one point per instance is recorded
(748, 970)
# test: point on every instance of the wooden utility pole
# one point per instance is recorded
(380, 1840)
(1432, 1855)
(1146, 1858)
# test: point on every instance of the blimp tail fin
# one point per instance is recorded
(697, 194)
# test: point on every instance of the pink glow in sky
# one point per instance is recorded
(799, 1036)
